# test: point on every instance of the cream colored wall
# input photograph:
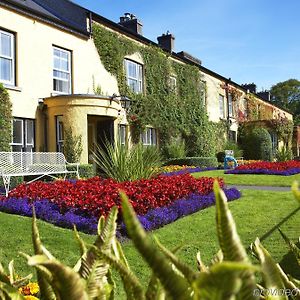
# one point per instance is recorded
(213, 90)
(75, 111)
(34, 54)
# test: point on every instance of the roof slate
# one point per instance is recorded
(63, 11)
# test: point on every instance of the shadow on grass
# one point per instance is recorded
(289, 263)
(267, 234)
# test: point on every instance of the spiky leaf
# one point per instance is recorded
(271, 275)
(230, 242)
(44, 285)
(296, 192)
(188, 273)
(132, 285)
(173, 283)
(66, 283)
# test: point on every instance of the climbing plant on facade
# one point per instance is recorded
(174, 112)
(5, 119)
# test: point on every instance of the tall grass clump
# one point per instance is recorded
(124, 163)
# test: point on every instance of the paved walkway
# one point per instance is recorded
(261, 188)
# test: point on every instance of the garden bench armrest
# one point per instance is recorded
(76, 165)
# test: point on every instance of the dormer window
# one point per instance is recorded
(134, 76)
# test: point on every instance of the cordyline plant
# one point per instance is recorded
(230, 276)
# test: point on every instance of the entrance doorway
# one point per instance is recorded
(100, 130)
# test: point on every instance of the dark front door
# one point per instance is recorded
(105, 132)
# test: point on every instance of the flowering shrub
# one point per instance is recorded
(173, 168)
(96, 196)
(271, 168)
(190, 170)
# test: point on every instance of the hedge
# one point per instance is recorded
(85, 170)
(194, 161)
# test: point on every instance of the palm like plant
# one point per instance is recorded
(128, 164)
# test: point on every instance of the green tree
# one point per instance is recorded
(287, 95)
(5, 119)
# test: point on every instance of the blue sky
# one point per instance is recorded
(249, 41)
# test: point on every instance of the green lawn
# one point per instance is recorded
(245, 179)
(257, 214)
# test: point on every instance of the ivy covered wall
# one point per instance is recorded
(179, 112)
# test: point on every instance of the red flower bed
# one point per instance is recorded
(97, 196)
(271, 168)
(274, 166)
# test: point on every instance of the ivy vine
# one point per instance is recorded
(180, 112)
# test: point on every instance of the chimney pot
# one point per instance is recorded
(166, 41)
(130, 22)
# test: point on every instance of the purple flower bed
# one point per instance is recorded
(190, 170)
(288, 172)
(161, 216)
(155, 218)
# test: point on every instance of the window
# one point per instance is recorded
(149, 137)
(22, 135)
(61, 71)
(203, 92)
(245, 104)
(232, 135)
(230, 106)
(59, 134)
(134, 76)
(221, 106)
(123, 134)
(274, 139)
(172, 84)
(7, 58)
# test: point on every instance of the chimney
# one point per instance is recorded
(251, 87)
(266, 95)
(166, 41)
(130, 22)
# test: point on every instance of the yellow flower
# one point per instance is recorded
(31, 298)
(34, 287)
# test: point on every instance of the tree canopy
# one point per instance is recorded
(286, 94)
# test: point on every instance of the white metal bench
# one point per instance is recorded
(33, 164)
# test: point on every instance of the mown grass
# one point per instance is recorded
(257, 214)
(247, 179)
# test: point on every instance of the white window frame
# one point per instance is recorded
(11, 58)
(140, 74)
(123, 134)
(68, 52)
(221, 108)
(173, 83)
(59, 133)
(230, 106)
(24, 134)
(203, 91)
(148, 138)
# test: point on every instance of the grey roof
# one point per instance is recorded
(61, 11)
